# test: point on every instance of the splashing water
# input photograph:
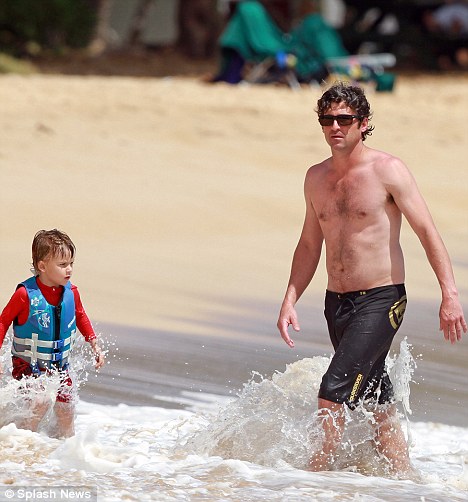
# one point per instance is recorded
(18, 397)
(269, 420)
(138, 453)
(274, 421)
(401, 369)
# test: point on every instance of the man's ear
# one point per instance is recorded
(364, 124)
(41, 266)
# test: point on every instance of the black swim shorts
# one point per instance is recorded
(362, 325)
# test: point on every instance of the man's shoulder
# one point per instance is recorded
(390, 171)
(381, 157)
(318, 168)
(385, 163)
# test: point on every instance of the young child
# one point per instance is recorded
(46, 310)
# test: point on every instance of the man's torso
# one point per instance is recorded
(360, 223)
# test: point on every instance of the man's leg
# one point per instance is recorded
(332, 420)
(391, 441)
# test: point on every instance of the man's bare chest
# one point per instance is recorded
(350, 198)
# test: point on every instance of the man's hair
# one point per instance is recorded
(50, 243)
(353, 96)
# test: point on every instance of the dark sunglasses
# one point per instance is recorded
(343, 120)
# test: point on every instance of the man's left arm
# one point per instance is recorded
(407, 196)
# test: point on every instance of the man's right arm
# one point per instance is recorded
(305, 260)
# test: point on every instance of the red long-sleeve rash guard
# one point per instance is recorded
(18, 308)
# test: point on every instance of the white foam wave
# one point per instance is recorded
(246, 449)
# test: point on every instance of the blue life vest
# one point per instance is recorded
(46, 338)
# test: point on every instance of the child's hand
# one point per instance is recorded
(99, 356)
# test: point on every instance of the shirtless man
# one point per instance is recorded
(354, 203)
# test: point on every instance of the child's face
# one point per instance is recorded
(57, 270)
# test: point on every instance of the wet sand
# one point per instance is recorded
(174, 364)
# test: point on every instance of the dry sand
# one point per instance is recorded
(185, 199)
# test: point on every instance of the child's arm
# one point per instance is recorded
(86, 329)
(16, 308)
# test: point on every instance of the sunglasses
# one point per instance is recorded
(343, 120)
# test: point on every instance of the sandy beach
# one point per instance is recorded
(185, 203)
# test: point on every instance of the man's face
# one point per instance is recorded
(342, 137)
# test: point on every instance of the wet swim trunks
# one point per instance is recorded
(362, 325)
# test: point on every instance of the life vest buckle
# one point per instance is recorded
(57, 344)
(58, 356)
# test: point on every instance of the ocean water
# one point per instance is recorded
(246, 447)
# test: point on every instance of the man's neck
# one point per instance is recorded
(345, 160)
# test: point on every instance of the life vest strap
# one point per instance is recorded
(48, 344)
(32, 357)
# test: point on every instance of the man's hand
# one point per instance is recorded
(452, 320)
(288, 316)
